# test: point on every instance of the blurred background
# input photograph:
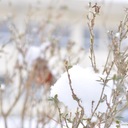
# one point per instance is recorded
(26, 23)
(67, 19)
(62, 20)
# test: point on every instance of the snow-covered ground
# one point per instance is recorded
(15, 122)
(85, 86)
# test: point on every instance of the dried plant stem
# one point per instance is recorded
(106, 63)
(92, 53)
(12, 106)
(78, 120)
(102, 92)
(91, 22)
(60, 114)
(123, 28)
(2, 112)
(27, 87)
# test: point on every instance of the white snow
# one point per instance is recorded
(2, 87)
(32, 53)
(85, 86)
(15, 122)
(124, 44)
(35, 52)
(117, 35)
(114, 125)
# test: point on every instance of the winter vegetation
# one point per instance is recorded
(47, 81)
